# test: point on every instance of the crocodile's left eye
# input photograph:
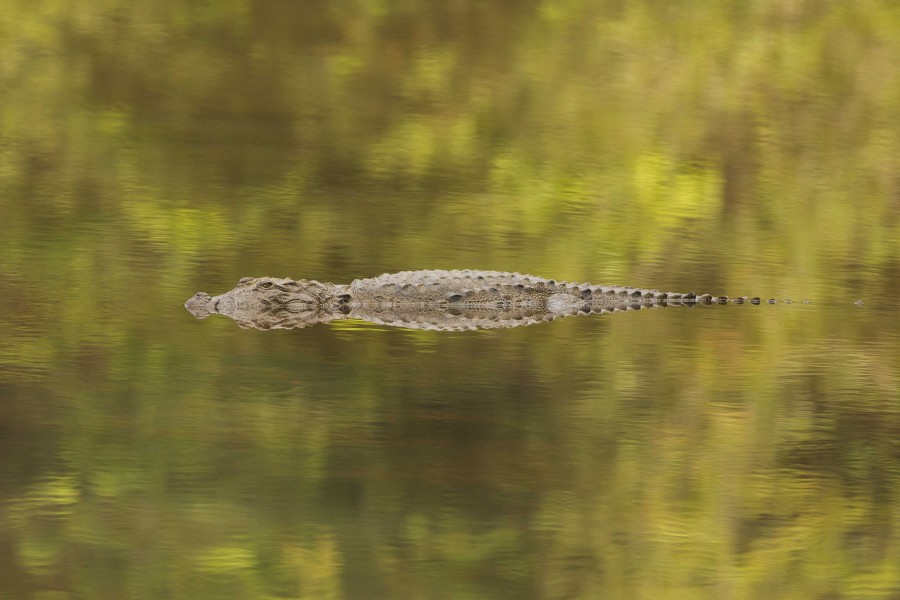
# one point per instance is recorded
(265, 285)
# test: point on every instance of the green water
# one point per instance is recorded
(150, 150)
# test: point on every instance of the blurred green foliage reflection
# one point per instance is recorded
(149, 150)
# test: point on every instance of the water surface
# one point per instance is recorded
(152, 151)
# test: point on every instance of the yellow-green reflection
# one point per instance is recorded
(150, 150)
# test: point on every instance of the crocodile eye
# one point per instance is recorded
(265, 285)
(245, 279)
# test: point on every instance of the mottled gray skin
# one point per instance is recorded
(438, 300)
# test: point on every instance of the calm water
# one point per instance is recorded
(150, 151)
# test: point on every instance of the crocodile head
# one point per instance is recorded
(267, 303)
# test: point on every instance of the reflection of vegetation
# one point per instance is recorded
(147, 151)
(565, 118)
(551, 488)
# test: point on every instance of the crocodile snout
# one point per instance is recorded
(200, 305)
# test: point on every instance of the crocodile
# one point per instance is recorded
(435, 300)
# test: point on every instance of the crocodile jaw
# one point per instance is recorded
(201, 305)
(229, 304)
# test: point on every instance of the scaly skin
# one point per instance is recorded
(438, 300)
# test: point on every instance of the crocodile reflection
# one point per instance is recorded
(435, 300)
